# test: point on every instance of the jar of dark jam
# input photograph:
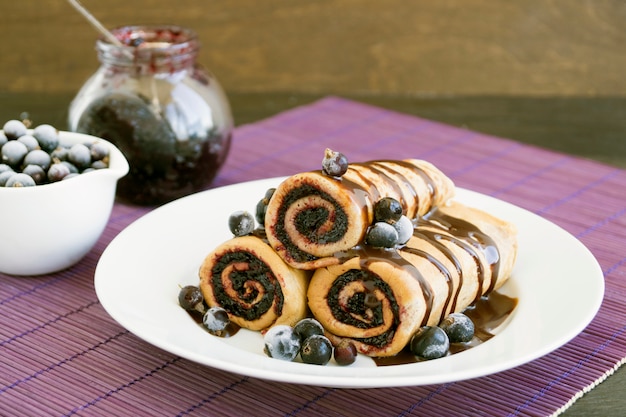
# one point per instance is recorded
(167, 114)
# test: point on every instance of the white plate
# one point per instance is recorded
(558, 282)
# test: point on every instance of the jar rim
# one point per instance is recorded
(157, 38)
(161, 47)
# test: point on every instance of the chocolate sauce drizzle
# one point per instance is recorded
(472, 240)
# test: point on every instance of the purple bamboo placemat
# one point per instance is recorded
(61, 354)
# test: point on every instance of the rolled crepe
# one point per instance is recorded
(379, 298)
(312, 216)
(253, 284)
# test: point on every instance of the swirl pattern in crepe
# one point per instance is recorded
(379, 298)
(253, 284)
(312, 217)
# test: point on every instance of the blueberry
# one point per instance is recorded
(388, 210)
(382, 235)
(5, 167)
(345, 353)
(135, 42)
(98, 165)
(13, 129)
(21, 151)
(316, 350)
(308, 327)
(458, 327)
(80, 155)
(216, 320)
(20, 180)
(430, 342)
(281, 343)
(334, 163)
(70, 176)
(60, 154)
(99, 151)
(13, 152)
(4, 177)
(57, 172)
(36, 172)
(190, 298)
(30, 142)
(38, 157)
(261, 207)
(47, 136)
(241, 223)
(73, 168)
(404, 227)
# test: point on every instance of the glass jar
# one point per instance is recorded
(168, 115)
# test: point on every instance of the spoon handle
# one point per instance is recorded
(95, 23)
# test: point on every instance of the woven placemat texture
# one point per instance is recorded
(61, 354)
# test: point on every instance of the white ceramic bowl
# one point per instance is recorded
(50, 227)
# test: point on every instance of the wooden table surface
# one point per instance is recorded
(589, 127)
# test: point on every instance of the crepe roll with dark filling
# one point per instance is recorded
(379, 298)
(313, 217)
(246, 277)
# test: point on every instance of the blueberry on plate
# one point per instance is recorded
(281, 343)
(458, 327)
(345, 353)
(261, 207)
(241, 223)
(308, 327)
(190, 298)
(216, 320)
(430, 342)
(316, 350)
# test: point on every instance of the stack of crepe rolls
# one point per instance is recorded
(313, 216)
(310, 258)
(379, 298)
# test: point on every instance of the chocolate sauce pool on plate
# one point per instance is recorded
(487, 314)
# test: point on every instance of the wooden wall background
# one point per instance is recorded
(396, 47)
